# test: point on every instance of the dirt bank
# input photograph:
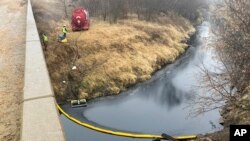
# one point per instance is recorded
(108, 57)
(12, 50)
(237, 114)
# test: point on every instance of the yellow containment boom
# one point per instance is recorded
(123, 134)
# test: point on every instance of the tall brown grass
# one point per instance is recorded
(111, 57)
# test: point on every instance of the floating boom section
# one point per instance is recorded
(124, 134)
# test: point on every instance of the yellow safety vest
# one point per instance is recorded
(64, 30)
(45, 38)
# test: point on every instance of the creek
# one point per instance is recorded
(159, 105)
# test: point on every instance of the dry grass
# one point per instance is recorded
(111, 57)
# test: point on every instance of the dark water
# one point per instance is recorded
(156, 106)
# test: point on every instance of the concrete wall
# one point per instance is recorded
(40, 118)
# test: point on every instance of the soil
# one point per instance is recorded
(232, 114)
(12, 56)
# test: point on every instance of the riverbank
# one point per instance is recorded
(237, 114)
(238, 111)
(109, 58)
(163, 99)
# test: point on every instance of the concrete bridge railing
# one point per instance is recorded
(40, 118)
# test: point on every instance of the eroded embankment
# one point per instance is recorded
(233, 114)
(109, 57)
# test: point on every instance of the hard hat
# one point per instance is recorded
(64, 25)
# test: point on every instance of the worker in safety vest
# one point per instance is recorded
(65, 31)
(45, 41)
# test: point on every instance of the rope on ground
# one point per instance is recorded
(123, 134)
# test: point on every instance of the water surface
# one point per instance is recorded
(156, 106)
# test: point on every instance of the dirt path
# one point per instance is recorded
(12, 56)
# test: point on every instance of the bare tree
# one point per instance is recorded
(65, 8)
(231, 25)
(104, 9)
(144, 9)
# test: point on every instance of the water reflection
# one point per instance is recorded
(158, 105)
(165, 95)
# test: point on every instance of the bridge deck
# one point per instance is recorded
(40, 119)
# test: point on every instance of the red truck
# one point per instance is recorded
(80, 19)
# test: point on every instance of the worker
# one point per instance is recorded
(65, 31)
(45, 41)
